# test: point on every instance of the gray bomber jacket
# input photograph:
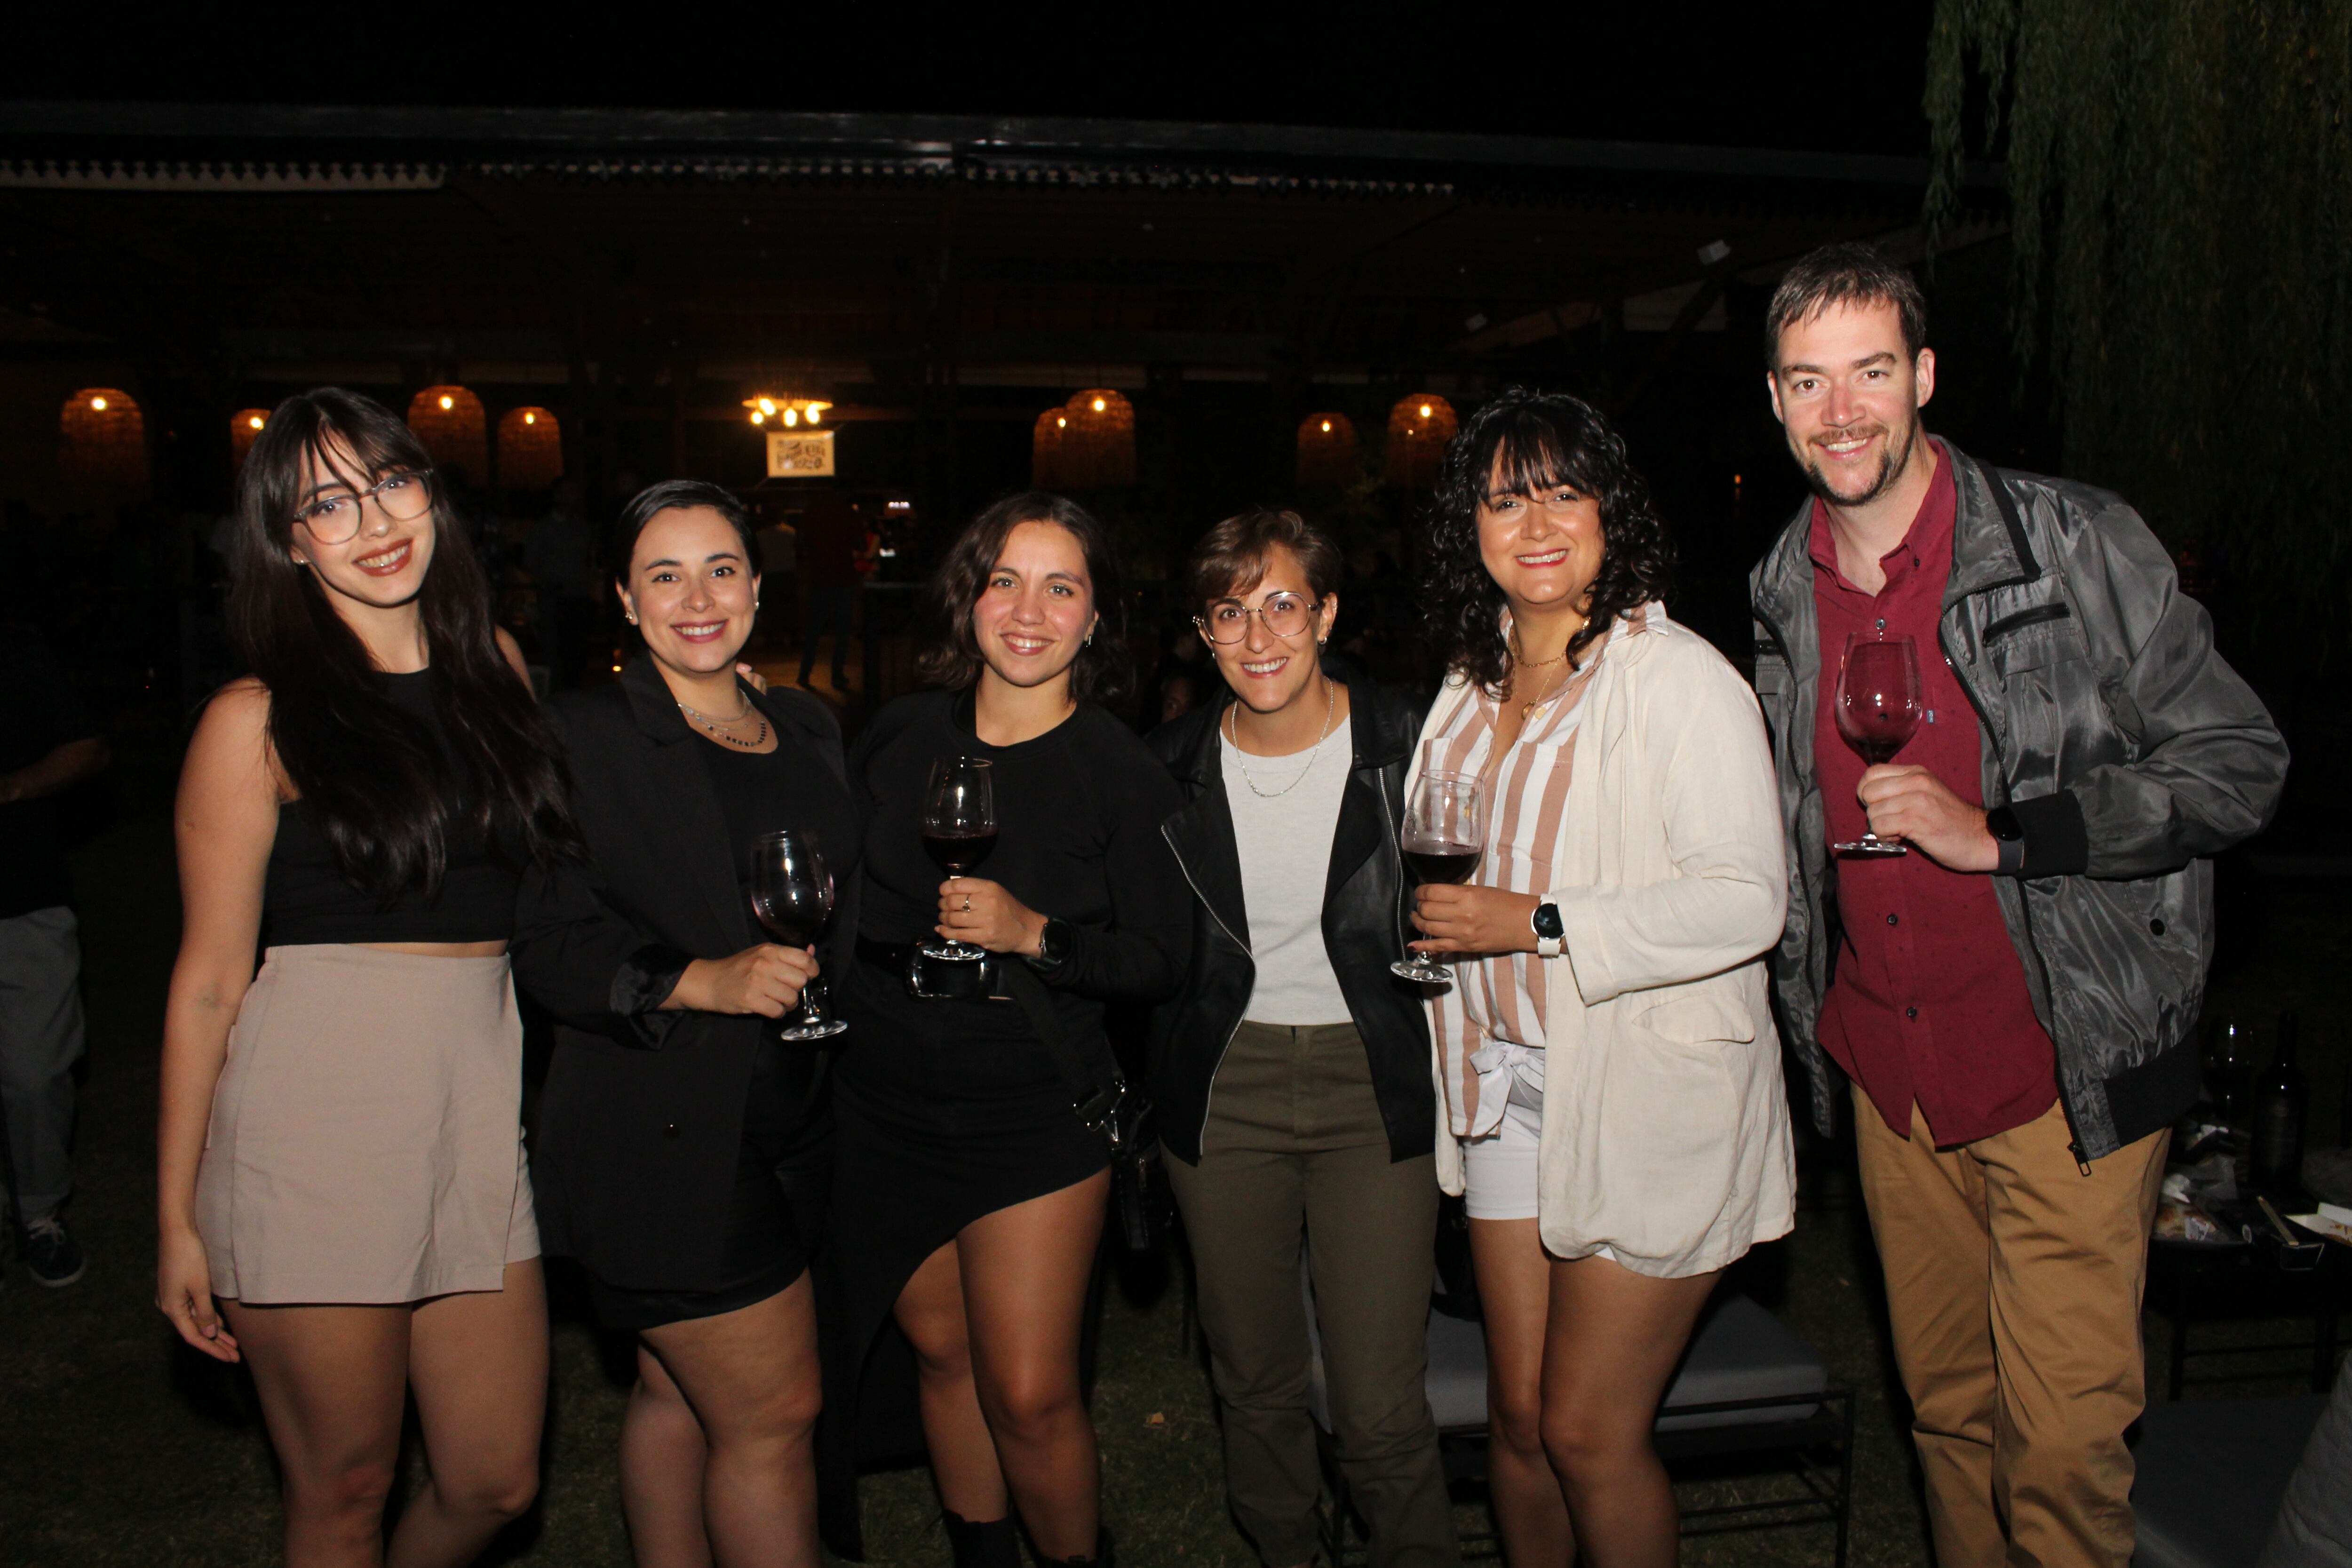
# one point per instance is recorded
(2129, 751)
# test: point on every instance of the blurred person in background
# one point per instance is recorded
(48, 743)
(561, 556)
(831, 540)
(780, 574)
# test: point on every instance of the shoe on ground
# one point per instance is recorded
(52, 1257)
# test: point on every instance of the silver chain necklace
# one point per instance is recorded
(716, 728)
(1330, 706)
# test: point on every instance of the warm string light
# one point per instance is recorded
(792, 412)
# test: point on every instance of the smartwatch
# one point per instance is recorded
(1053, 945)
(2010, 835)
(1550, 930)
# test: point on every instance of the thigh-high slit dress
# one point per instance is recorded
(949, 1109)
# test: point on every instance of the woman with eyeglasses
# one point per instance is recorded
(339, 1155)
(1292, 1071)
(1614, 1115)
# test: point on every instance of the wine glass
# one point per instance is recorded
(792, 895)
(959, 830)
(1878, 708)
(1444, 834)
(2230, 1068)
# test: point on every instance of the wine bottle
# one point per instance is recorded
(2282, 1110)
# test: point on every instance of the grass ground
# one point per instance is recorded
(117, 1449)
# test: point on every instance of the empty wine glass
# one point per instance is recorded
(959, 830)
(792, 895)
(1444, 833)
(1878, 708)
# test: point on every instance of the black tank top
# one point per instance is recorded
(306, 899)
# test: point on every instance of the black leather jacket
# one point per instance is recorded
(1365, 905)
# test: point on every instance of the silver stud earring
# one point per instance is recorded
(1090, 639)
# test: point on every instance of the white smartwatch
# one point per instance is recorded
(1552, 933)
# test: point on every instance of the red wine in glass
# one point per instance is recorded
(957, 854)
(1443, 835)
(959, 825)
(791, 897)
(1878, 709)
(1441, 862)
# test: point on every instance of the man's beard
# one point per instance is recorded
(1892, 461)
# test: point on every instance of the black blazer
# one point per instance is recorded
(643, 1112)
(1366, 901)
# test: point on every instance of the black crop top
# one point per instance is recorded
(306, 899)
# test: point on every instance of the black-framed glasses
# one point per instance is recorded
(334, 518)
(1284, 615)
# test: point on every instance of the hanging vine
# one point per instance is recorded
(2180, 196)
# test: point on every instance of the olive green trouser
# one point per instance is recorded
(1295, 1141)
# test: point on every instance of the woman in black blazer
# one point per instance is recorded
(682, 1148)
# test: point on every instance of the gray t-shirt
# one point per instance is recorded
(1285, 812)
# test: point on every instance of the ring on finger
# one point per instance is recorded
(967, 903)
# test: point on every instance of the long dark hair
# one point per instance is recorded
(376, 785)
(1545, 439)
(951, 655)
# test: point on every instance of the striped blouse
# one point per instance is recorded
(1494, 1016)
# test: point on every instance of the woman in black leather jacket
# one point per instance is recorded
(1292, 1072)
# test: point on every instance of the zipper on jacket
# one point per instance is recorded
(2025, 911)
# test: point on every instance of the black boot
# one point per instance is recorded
(993, 1543)
(1103, 1556)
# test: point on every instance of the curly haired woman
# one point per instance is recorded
(1630, 882)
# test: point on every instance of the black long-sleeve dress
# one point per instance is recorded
(947, 1111)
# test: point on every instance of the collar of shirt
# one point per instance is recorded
(1926, 546)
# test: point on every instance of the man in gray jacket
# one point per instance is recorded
(2013, 999)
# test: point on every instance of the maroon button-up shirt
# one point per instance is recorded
(1929, 1003)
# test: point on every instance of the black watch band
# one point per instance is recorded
(1053, 945)
(2009, 836)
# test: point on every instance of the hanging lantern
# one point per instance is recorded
(530, 450)
(1326, 450)
(1046, 469)
(1099, 443)
(448, 420)
(104, 439)
(243, 427)
(1419, 429)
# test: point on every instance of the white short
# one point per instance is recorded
(1499, 1171)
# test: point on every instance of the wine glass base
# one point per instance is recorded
(1866, 848)
(952, 952)
(819, 1031)
(1427, 974)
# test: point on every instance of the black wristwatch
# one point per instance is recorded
(1053, 945)
(1549, 928)
(2009, 835)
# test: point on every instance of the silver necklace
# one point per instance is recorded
(1330, 706)
(716, 728)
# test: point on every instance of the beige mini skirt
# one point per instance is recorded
(366, 1144)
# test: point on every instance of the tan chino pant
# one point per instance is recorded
(2014, 1283)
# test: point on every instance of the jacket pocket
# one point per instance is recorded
(1694, 1020)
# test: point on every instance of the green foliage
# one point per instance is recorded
(2180, 195)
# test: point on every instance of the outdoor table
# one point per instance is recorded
(2207, 1282)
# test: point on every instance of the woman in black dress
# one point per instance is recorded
(970, 1187)
(683, 1148)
